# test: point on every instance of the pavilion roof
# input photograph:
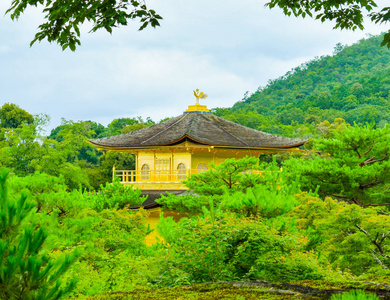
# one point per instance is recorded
(201, 128)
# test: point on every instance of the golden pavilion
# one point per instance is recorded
(169, 152)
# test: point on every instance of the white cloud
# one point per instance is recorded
(224, 49)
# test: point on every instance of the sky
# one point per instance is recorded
(223, 50)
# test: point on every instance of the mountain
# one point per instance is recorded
(352, 84)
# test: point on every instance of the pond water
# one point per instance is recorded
(154, 218)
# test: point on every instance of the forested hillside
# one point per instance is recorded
(352, 84)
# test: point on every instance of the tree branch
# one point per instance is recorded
(384, 236)
(377, 244)
(372, 161)
(369, 150)
(380, 212)
(381, 254)
(379, 261)
(363, 230)
(370, 184)
(339, 196)
(324, 181)
(377, 204)
(354, 148)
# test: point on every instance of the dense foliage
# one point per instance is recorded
(65, 152)
(298, 234)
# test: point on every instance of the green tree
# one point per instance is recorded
(12, 116)
(327, 129)
(18, 148)
(73, 135)
(64, 155)
(290, 115)
(349, 236)
(247, 194)
(116, 196)
(347, 14)
(141, 124)
(124, 125)
(353, 166)
(121, 161)
(64, 18)
(87, 128)
(26, 272)
(231, 175)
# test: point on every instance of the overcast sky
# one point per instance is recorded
(224, 50)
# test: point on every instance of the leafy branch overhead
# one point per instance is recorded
(64, 17)
(347, 14)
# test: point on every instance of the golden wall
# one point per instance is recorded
(153, 157)
(191, 158)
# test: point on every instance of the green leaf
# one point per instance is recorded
(72, 46)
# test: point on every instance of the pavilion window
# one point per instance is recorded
(163, 164)
(202, 168)
(182, 171)
(145, 172)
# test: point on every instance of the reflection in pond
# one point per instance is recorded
(154, 218)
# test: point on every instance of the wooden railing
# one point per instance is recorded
(152, 175)
(158, 175)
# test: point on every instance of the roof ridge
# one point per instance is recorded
(163, 130)
(207, 129)
(266, 133)
(220, 126)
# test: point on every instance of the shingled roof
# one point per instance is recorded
(201, 128)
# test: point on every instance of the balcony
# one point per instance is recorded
(158, 179)
(154, 179)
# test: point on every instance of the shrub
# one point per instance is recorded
(260, 201)
(355, 295)
(115, 196)
(220, 246)
(191, 204)
(39, 185)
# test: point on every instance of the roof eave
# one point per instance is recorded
(178, 146)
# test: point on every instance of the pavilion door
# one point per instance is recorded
(163, 169)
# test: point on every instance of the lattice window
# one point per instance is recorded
(202, 168)
(182, 171)
(145, 172)
(163, 164)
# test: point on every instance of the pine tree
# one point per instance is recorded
(25, 271)
(353, 166)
